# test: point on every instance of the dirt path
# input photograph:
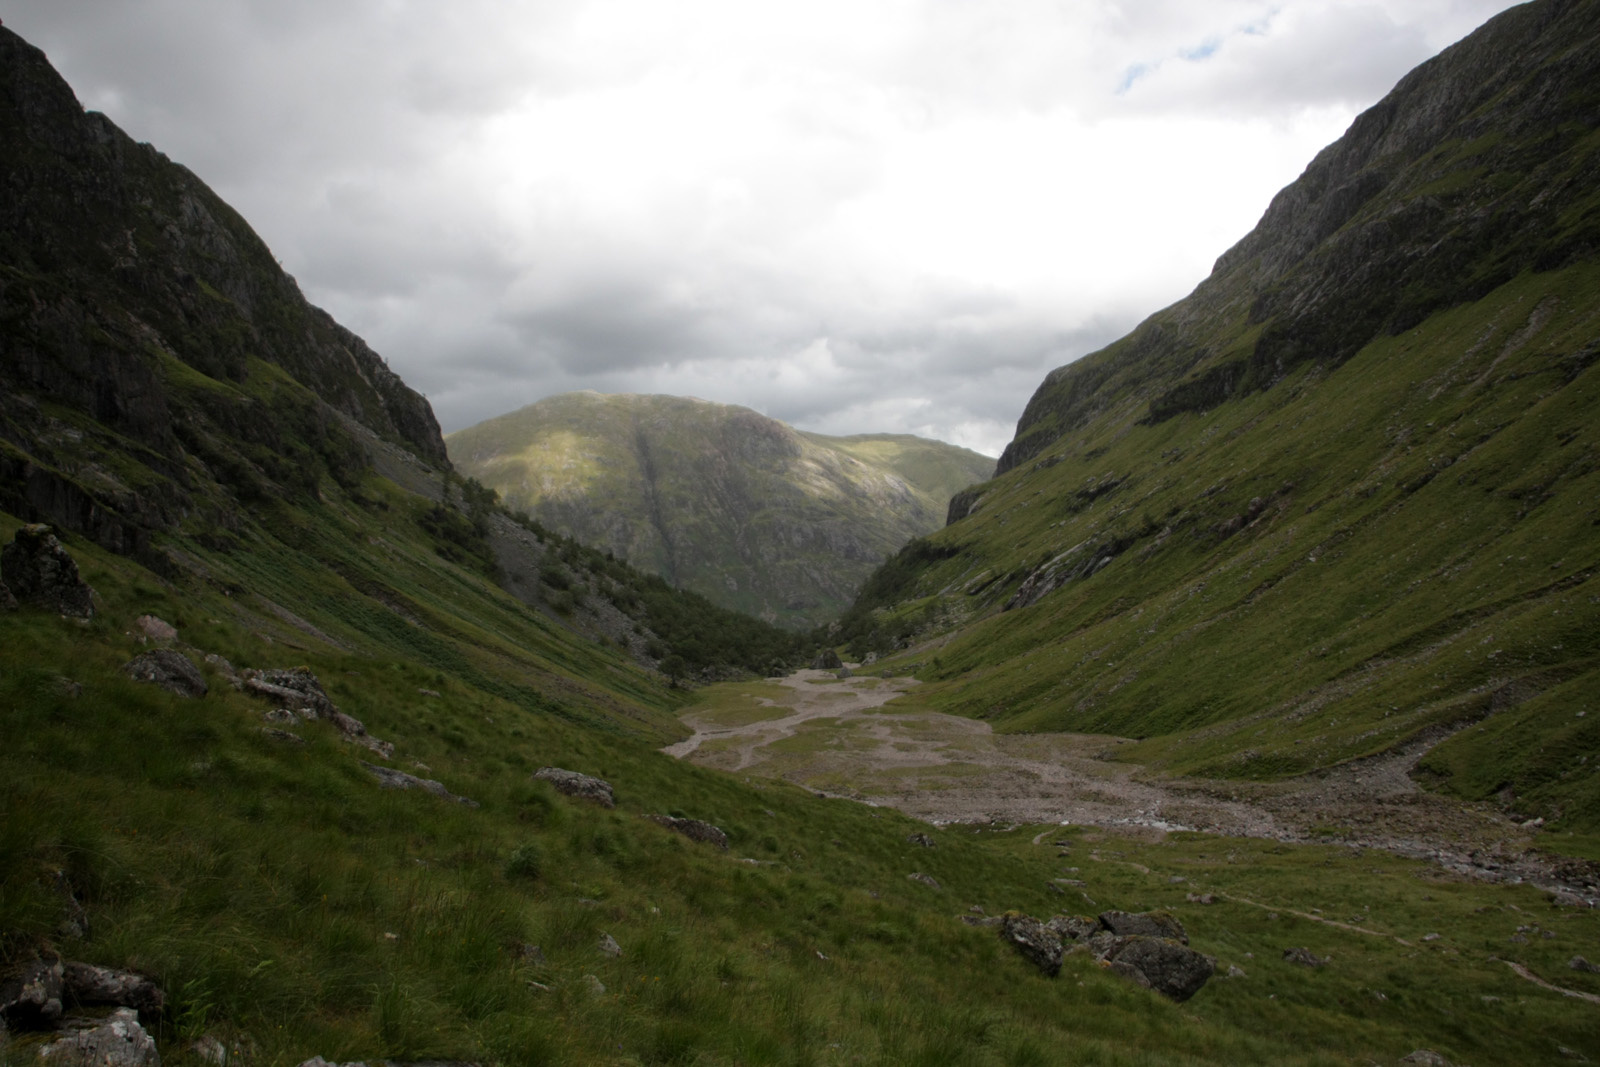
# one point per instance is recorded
(835, 736)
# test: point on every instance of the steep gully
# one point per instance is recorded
(836, 736)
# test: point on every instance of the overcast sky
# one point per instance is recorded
(873, 215)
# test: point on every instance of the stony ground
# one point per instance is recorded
(835, 736)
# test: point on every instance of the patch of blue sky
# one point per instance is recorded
(1131, 75)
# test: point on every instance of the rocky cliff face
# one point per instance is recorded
(718, 499)
(151, 349)
(1479, 165)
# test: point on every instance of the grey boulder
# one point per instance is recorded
(1038, 944)
(582, 786)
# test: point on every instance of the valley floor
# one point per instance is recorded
(841, 736)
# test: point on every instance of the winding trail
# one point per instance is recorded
(836, 736)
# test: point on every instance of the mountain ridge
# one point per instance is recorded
(741, 508)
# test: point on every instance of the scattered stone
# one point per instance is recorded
(869, 659)
(1426, 1057)
(169, 669)
(1572, 1054)
(1144, 924)
(1304, 957)
(393, 779)
(582, 786)
(886, 673)
(1173, 970)
(608, 945)
(693, 829)
(1200, 898)
(428, 692)
(7, 601)
(827, 660)
(1236, 971)
(1430, 937)
(1039, 945)
(31, 1000)
(1176, 879)
(156, 629)
(921, 839)
(844, 672)
(926, 879)
(86, 983)
(284, 737)
(282, 716)
(595, 987)
(68, 688)
(37, 570)
(119, 1041)
(529, 954)
(1578, 963)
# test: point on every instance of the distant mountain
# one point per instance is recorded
(1341, 500)
(745, 510)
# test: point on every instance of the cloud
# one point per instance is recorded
(896, 216)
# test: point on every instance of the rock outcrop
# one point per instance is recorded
(168, 668)
(1150, 949)
(38, 571)
(575, 784)
(298, 690)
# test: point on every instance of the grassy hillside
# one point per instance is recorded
(1265, 562)
(290, 907)
(718, 499)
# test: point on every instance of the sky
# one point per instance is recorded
(862, 216)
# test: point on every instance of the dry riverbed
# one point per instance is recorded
(839, 737)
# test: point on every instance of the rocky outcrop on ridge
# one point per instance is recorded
(1150, 949)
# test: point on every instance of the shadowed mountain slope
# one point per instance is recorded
(1343, 498)
(718, 499)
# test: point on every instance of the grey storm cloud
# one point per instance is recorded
(891, 217)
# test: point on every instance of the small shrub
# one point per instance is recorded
(526, 862)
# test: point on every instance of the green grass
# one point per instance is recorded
(261, 884)
(1421, 554)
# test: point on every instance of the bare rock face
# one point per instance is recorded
(31, 999)
(38, 571)
(169, 669)
(117, 1042)
(582, 786)
(693, 829)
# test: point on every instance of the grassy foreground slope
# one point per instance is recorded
(291, 907)
(718, 499)
(1345, 496)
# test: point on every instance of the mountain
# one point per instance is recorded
(1340, 500)
(718, 499)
